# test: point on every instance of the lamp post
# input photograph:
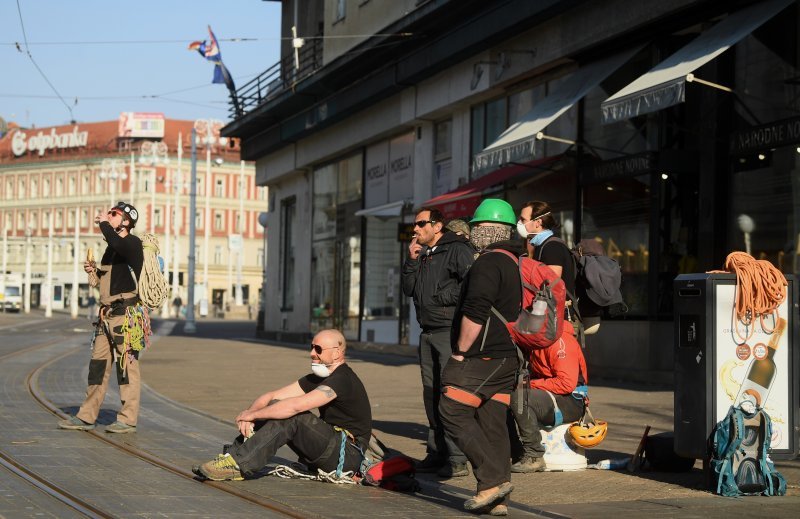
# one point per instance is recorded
(175, 224)
(263, 219)
(207, 130)
(110, 171)
(240, 230)
(153, 154)
(26, 302)
(5, 263)
(190, 326)
(77, 259)
(48, 308)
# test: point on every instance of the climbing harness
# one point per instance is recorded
(760, 290)
(338, 476)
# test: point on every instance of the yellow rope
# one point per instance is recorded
(153, 286)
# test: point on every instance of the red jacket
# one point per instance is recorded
(560, 367)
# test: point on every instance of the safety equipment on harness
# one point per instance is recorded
(494, 210)
(588, 433)
(153, 287)
(472, 399)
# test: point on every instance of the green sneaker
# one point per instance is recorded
(222, 468)
(120, 428)
(76, 424)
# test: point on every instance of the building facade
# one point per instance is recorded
(53, 181)
(667, 130)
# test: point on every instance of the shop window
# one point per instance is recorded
(617, 213)
(288, 214)
(382, 271)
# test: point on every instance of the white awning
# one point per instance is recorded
(516, 143)
(385, 210)
(664, 85)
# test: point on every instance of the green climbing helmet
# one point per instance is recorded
(494, 210)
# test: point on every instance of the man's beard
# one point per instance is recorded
(485, 235)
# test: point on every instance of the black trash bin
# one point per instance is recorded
(714, 364)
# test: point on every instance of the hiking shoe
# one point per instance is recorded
(76, 424)
(489, 498)
(221, 468)
(120, 428)
(529, 464)
(453, 470)
(429, 464)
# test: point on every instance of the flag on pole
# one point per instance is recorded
(210, 51)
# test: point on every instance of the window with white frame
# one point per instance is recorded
(59, 218)
(46, 187)
(34, 188)
(70, 219)
(218, 255)
(84, 217)
(217, 221)
(71, 184)
(21, 187)
(219, 187)
(158, 218)
(198, 220)
(9, 189)
(341, 10)
(59, 186)
(85, 184)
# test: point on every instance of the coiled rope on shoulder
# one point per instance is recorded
(760, 290)
(153, 285)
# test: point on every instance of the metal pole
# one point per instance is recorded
(48, 307)
(133, 180)
(207, 214)
(190, 326)
(168, 229)
(153, 198)
(240, 230)
(75, 282)
(26, 302)
(5, 263)
(176, 229)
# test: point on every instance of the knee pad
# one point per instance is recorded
(97, 369)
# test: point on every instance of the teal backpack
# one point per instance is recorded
(739, 448)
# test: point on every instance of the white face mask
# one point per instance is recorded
(521, 230)
(320, 370)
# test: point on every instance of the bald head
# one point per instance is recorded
(331, 339)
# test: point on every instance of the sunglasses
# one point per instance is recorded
(319, 349)
(423, 223)
(114, 212)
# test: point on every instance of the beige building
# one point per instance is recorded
(53, 181)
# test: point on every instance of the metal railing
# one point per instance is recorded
(277, 79)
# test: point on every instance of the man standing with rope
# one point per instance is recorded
(122, 327)
(333, 441)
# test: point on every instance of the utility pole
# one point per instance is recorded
(190, 326)
(48, 307)
(176, 225)
(76, 257)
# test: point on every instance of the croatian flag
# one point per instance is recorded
(210, 51)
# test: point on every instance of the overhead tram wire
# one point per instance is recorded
(30, 56)
(228, 40)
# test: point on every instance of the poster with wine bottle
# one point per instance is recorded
(752, 364)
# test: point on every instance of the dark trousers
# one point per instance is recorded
(434, 352)
(480, 432)
(314, 441)
(538, 411)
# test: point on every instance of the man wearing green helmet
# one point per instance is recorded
(480, 375)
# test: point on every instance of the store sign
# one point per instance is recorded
(405, 232)
(141, 125)
(772, 135)
(21, 143)
(622, 167)
(401, 167)
(376, 175)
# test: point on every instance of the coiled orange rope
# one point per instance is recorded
(760, 290)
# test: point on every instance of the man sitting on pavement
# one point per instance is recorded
(283, 417)
(556, 395)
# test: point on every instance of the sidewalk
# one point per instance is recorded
(222, 368)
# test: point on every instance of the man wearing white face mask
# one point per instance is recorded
(283, 417)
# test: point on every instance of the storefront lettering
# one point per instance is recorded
(400, 164)
(768, 136)
(42, 141)
(623, 167)
(376, 172)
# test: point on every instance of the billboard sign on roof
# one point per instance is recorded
(148, 125)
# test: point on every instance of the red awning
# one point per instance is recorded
(463, 200)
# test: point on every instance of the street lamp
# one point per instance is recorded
(153, 154)
(26, 302)
(111, 170)
(207, 131)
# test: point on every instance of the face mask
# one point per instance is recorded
(521, 230)
(320, 370)
(539, 238)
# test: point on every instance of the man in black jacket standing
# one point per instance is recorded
(480, 375)
(438, 261)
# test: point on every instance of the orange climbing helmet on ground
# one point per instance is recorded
(588, 432)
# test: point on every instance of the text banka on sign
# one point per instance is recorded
(42, 141)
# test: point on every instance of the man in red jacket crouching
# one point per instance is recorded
(556, 394)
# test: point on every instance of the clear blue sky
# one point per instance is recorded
(125, 74)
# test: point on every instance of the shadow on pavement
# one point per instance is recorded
(412, 431)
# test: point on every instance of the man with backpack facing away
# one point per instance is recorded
(480, 375)
(438, 261)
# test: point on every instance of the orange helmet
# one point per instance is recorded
(589, 433)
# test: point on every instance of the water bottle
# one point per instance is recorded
(539, 307)
(612, 464)
(532, 321)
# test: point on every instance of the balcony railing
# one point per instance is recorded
(280, 77)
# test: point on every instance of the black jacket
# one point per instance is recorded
(434, 280)
(122, 253)
(493, 281)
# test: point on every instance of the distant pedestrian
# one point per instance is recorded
(177, 303)
(91, 310)
(438, 261)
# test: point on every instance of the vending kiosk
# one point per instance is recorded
(719, 362)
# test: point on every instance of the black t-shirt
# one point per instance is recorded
(350, 409)
(555, 252)
(122, 253)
